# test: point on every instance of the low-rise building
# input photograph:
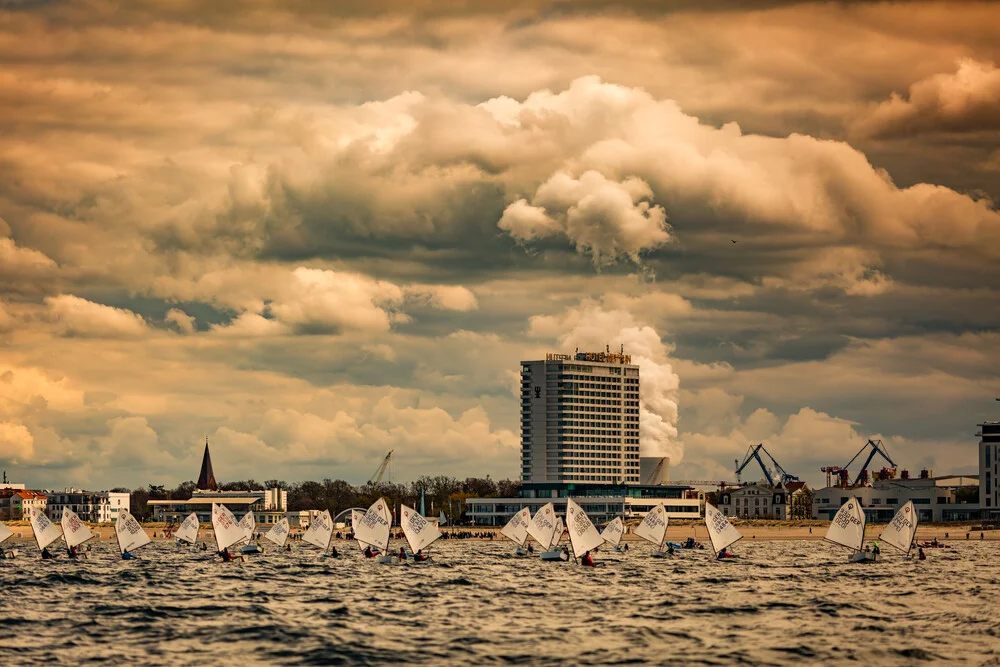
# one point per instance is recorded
(92, 506)
(761, 501)
(935, 499)
(16, 504)
(601, 502)
(268, 505)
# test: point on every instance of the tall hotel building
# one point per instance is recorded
(989, 468)
(580, 419)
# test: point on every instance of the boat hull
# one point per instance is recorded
(251, 549)
(861, 557)
(555, 555)
(661, 554)
(520, 553)
(13, 553)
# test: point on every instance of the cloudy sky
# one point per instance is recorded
(315, 234)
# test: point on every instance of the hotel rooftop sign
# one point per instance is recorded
(599, 357)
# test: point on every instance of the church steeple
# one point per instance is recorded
(206, 480)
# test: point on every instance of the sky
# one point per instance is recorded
(313, 232)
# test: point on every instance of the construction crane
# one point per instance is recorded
(377, 477)
(753, 453)
(877, 448)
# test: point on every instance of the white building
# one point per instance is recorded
(933, 498)
(92, 506)
(16, 503)
(989, 467)
(580, 419)
(268, 505)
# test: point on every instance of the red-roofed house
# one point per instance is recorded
(16, 504)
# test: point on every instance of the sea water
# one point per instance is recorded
(781, 603)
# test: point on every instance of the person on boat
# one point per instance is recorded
(726, 553)
(934, 542)
(72, 552)
(587, 560)
(402, 553)
(46, 554)
(626, 546)
(288, 547)
(531, 549)
(921, 555)
(670, 548)
(204, 546)
(127, 555)
(333, 552)
(876, 551)
(565, 550)
(419, 556)
(226, 556)
(368, 551)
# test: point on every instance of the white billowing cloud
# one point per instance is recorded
(446, 297)
(964, 101)
(251, 325)
(592, 328)
(77, 317)
(181, 320)
(321, 300)
(16, 443)
(854, 270)
(23, 269)
(601, 217)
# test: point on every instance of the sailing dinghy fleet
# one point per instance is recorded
(372, 530)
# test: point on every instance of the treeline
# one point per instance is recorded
(440, 493)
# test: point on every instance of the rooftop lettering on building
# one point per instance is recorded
(598, 357)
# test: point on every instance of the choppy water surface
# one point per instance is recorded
(782, 603)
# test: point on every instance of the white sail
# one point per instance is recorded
(130, 534)
(320, 530)
(654, 526)
(386, 511)
(249, 524)
(278, 533)
(516, 529)
(583, 534)
(899, 533)
(557, 533)
(5, 532)
(188, 531)
(227, 529)
(419, 531)
(75, 531)
(848, 526)
(543, 525)
(374, 528)
(720, 531)
(612, 533)
(44, 530)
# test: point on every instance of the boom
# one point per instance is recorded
(377, 477)
(753, 453)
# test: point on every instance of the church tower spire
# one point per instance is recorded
(206, 480)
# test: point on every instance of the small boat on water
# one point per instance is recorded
(721, 533)
(75, 532)
(5, 534)
(227, 530)
(129, 534)
(419, 532)
(543, 529)
(374, 531)
(320, 531)
(554, 552)
(653, 529)
(188, 531)
(848, 530)
(516, 530)
(249, 524)
(900, 531)
(613, 532)
(278, 535)
(583, 535)
(44, 531)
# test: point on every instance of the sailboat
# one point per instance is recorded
(75, 532)
(5, 534)
(320, 531)
(848, 530)
(249, 524)
(653, 529)
(613, 532)
(583, 535)
(130, 534)
(899, 533)
(720, 531)
(543, 529)
(188, 532)
(44, 531)
(374, 530)
(419, 532)
(227, 530)
(516, 530)
(278, 534)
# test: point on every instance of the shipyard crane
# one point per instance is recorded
(877, 448)
(377, 477)
(753, 453)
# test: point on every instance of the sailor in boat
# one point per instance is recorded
(726, 553)
(531, 549)
(587, 560)
(876, 551)
(566, 550)
(333, 552)
(46, 554)
(419, 556)
(402, 553)
(921, 555)
(670, 549)
(625, 548)
(226, 556)
(72, 552)
(368, 551)
(288, 547)
(128, 555)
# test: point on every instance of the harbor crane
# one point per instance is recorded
(876, 448)
(753, 453)
(377, 477)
